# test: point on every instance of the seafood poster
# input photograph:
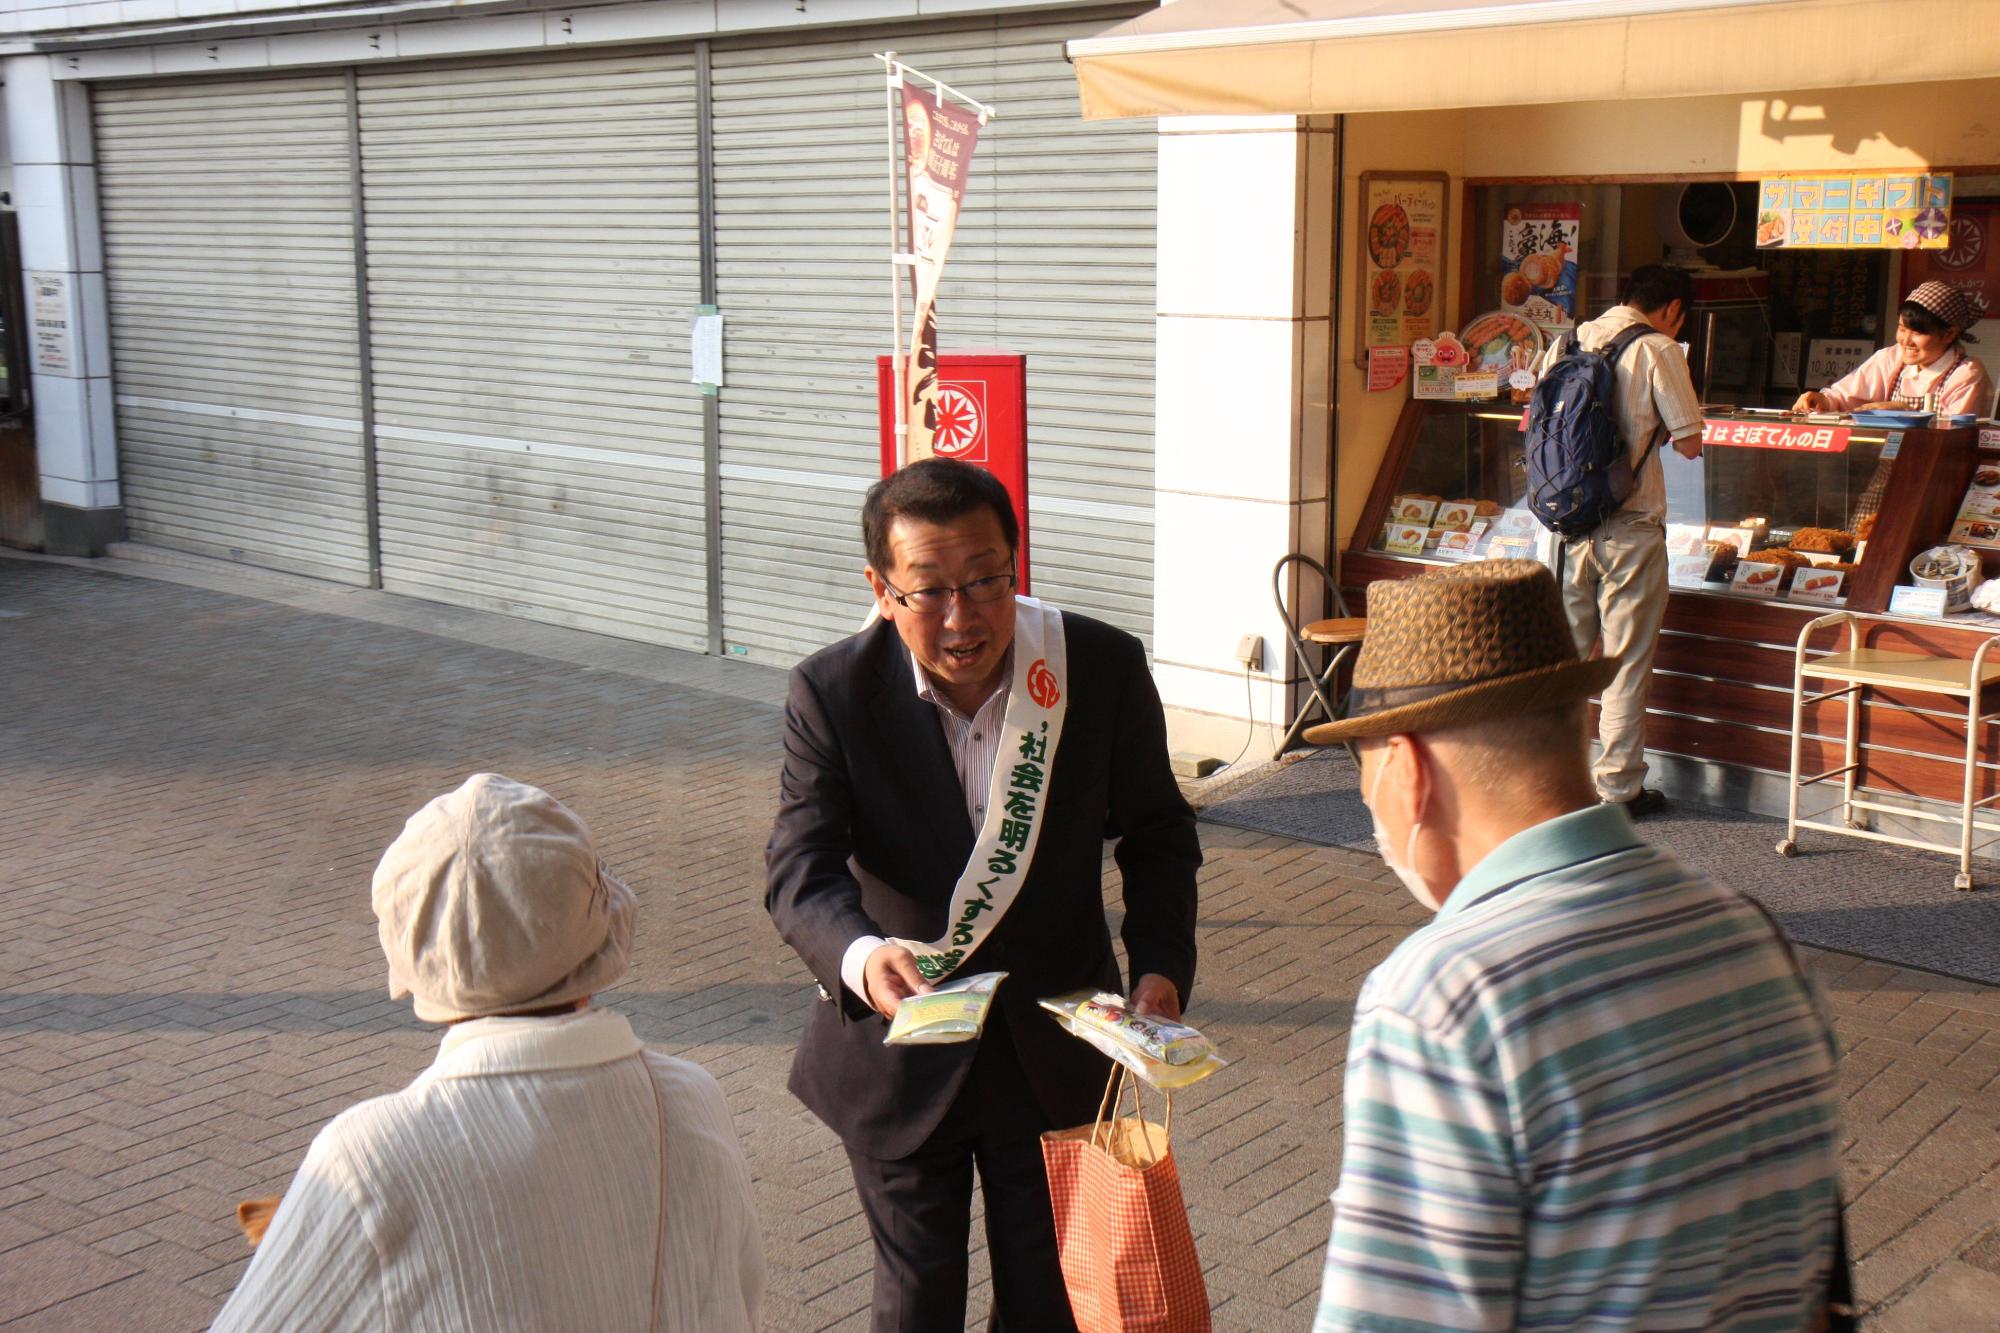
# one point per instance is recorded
(1538, 264)
(1872, 211)
(1402, 253)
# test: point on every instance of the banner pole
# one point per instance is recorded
(893, 85)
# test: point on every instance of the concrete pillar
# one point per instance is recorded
(1245, 300)
(62, 258)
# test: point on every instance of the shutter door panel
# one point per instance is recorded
(533, 259)
(1053, 258)
(228, 219)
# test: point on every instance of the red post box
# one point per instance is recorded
(982, 418)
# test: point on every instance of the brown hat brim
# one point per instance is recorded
(1525, 692)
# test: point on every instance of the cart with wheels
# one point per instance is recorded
(1857, 670)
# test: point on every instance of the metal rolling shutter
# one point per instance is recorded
(533, 260)
(228, 219)
(1054, 258)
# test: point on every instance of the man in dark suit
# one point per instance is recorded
(891, 737)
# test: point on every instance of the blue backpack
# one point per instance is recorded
(1578, 469)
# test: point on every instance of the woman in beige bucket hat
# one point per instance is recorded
(547, 1171)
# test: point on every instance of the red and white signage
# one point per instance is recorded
(982, 418)
(1775, 435)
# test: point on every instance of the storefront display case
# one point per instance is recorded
(1824, 513)
(1721, 688)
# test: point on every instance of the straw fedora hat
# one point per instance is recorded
(1462, 645)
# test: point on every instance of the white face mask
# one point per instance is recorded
(1402, 869)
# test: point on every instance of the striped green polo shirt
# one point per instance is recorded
(1594, 1093)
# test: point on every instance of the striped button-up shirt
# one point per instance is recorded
(1595, 1092)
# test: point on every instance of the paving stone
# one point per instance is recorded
(193, 984)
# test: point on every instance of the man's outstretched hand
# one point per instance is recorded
(890, 976)
(1156, 995)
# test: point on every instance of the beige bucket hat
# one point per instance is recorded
(1461, 645)
(492, 900)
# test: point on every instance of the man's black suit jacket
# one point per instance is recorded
(872, 833)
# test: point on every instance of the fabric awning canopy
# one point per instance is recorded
(1300, 57)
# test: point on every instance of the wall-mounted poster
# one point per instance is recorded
(1401, 260)
(1871, 211)
(1538, 264)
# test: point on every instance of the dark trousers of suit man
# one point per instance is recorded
(871, 835)
(919, 1208)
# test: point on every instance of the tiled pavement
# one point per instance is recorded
(198, 770)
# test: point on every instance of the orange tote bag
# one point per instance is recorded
(1128, 1254)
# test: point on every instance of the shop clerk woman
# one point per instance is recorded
(1926, 368)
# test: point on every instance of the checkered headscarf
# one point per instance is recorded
(1949, 304)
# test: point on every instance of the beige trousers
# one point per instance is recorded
(1615, 591)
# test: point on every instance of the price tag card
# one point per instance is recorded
(1684, 538)
(1515, 523)
(1917, 602)
(1476, 384)
(1458, 546)
(1741, 538)
(1407, 538)
(1412, 509)
(1454, 514)
(1812, 584)
(1511, 548)
(1687, 571)
(1759, 580)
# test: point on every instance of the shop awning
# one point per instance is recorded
(1300, 57)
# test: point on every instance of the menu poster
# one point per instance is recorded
(1538, 269)
(1403, 246)
(1969, 259)
(1868, 211)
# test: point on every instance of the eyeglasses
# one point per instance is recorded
(934, 601)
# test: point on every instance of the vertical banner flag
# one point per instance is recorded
(937, 151)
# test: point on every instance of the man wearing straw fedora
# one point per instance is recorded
(1595, 1091)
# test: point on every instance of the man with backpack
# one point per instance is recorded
(1610, 513)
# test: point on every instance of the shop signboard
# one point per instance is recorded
(1403, 245)
(1850, 211)
(1798, 437)
(1538, 263)
(1969, 259)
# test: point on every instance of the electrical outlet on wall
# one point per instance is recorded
(1250, 652)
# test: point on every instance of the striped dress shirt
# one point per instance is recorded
(1595, 1093)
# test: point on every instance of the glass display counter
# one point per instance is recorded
(1775, 509)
